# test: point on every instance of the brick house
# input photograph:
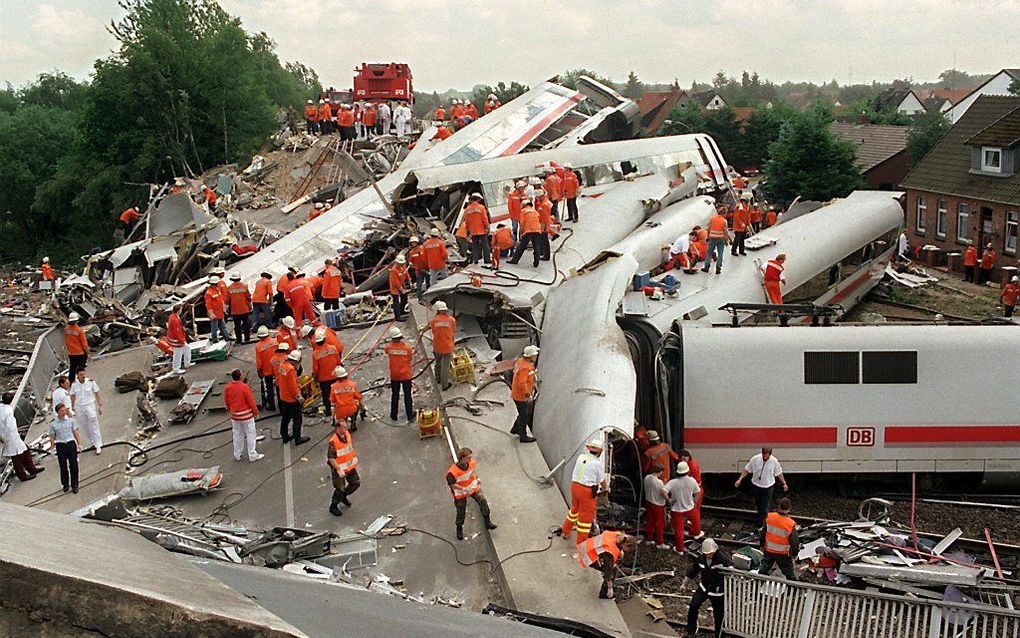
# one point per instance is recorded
(967, 188)
(881, 152)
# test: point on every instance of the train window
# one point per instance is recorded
(831, 367)
(889, 367)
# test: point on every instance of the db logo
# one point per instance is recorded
(860, 437)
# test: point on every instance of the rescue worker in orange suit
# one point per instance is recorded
(710, 588)
(531, 229)
(287, 333)
(343, 466)
(281, 307)
(215, 308)
(491, 104)
(522, 391)
(554, 190)
(287, 374)
(177, 339)
(571, 189)
(264, 350)
(699, 241)
(325, 359)
(741, 222)
(779, 541)
(513, 209)
(436, 257)
(464, 484)
(476, 218)
(443, 327)
(682, 492)
(456, 110)
(325, 118)
(589, 477)
(502, 242)
(400, 355)
(655, 507)
(471, 111)
(47, 270)
(774, 279)
(345, 397)
(970, 260)
(986, 264)
(604, 552)
(331, 338)
(210, 198)
(755, 217)
(300, 299)
(695, 471)
(77, 345)
(546, 219)
(129, 217)
(369, 118)
(1010, 292)
(718, 237)
(240, 403)
(419, 266)
(262, 301)
(331, 281)
(658, 453)
(771, 217)
(400, 283)
(440, 114)
(240, 308)
(311, 118)
(442, 132)
(345, 120)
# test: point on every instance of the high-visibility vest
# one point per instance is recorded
(346, 459)
(717, 227)
(465, 482)
(773, 270)
(777, 533)
(588, 552)
(582, 461)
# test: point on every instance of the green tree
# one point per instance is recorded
(1014, 87)
(54, 89)
(634, 88)
(925, 133)
(722, 125)
(761, 129)
(809, 161)
(502, 92)
(685, 117)
(569, 78)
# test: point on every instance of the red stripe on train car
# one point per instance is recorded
(811, 435)
(536, 129)
(946, 434)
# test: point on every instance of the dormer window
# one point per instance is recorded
(991, 159)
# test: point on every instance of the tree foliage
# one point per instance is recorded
(925, 133)
(569, 78)
(502, 92)
(1014, 87)
(634, 88)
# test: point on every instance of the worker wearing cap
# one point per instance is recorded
(464, 484)
(531, 228)
(331, 283)
(604, 552)
(658, 453)
(774, 278)
(76, 343)
(655, 507)
(419, 265)
(741, 223)
(779, 541)
(476, 217)
(588, 478)
(443, 327)
(970, 260)
(262, 300)
(311, 117)
(343, 466)
(325, 359)
(987, 263)
(264, 350)
(240, 403)
(47, 270)
(545, 219)
(215, 302)
(400, 355)
(770, 217)
(682, 493)
(345, 120)
(1009, 295)
(87, 405)
(765, 470)
(369, 117)
(571, 189)
(522, 391)
(400, 283)
(718, 237)
(554, 190)
(436, 257)
(177, 337)
(502, 243)
(345, 397)
(290, 398)
(755, 216)
(239, 298)
(707, 566)
(513, 209)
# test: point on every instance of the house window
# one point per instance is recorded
(962, 213)
(940, 220)
(922, 215)
(1012, 218)
(991, 159)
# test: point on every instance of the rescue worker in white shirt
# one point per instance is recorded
(588, 478)
(11, 445)
(710, 588)
(464, 484)
(87, 404)
(764, 470)
(682, 492)
(655, 507)
(62, 395)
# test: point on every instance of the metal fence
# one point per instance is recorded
(48, 357)
(764, 607)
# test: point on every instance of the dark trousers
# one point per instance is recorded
(784, 562)
(395, 387)
(480, 249)
(290, 413)
(324, 387)
(461, 505)
(77, 362)
(525, 413)
(756, 226)
(762, 499)
(739, 236)
(543, 245)
(242, 324)
(606, 566)
(67, 457)
(968, 273)
(313, 127)
(344, 485)
(280, 308)
(1008, 311)
(399, 305)
(530, 238)
(268, 393)
(263, 315)
(330, 304)
(556, 208)
(572, 209)
(984, 275)
(24, 466)
(699, 598)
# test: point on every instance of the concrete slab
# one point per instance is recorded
(115, 583)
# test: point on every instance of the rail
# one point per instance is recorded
(48, 356)
(765, 607)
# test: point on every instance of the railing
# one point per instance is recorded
(764, 607)
(48, 357)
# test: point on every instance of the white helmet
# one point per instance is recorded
(214, 280)
(306, 330)
(283, 346)
(295, 354)
(709, 546)
(262, 332)
(340, 372)
(530, 351)
(401, 259)
(310, 102)
(414, 239)
(435, 232)
(235, 276)
(288, 322)
(595, 443)
(395, 333)
(73, 317)
(318, 205)
(539, 192)
(440, 306)
(46, 260)
(683, 468)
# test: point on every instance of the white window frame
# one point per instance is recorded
(921, 221)
(962, 211)
(991, 168)
(940, 219)
(1012, 228)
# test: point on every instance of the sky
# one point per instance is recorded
(460, 43)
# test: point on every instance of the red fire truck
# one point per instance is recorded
(379, 82)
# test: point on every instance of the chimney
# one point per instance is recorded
(864, 118)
